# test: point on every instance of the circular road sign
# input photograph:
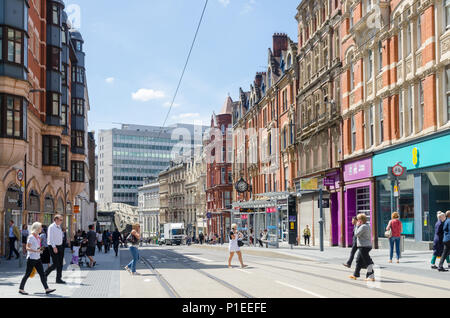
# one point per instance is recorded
(20, 175)
(398, 170)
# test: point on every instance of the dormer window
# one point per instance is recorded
(78, 45)
(289, 61)
(54, 14)
(269, 78)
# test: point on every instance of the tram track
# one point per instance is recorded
(344, 271)
(190, 264)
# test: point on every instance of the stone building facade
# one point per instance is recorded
(43, 116)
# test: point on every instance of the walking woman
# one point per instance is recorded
(307, 235)
(438, 244)
(446, 241)
(133, 239)
(364, 243)
(34, 259)
(45, 256)
(395, 226)
(234, 246)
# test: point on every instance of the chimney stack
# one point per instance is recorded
(280, 43)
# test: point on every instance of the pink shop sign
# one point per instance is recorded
(358, 170)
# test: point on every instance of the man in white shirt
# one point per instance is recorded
(55, 245)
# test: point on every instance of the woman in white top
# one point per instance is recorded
(34, 259)
(234, 247)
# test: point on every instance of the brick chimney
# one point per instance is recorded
(258, 79)
(280, 43)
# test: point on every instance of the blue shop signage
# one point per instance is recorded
(423, 154)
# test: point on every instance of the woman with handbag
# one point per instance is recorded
(235, 244)
(34, 249)
(134, 239)
(393, 233)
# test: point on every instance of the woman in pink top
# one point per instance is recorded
(396, 227)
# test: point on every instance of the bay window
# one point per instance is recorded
(77, 139)
(64, 157)
(51, 150)
(54, 14)
(64, 116)
(77, 107)
(78, 74)
(77, 174)
(53, 58)
(53, 102)
(14, 45)
(12, 120)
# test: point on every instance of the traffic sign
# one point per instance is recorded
(398, 170)
(395, 191)
(20, 175)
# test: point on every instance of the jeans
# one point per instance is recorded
(31, 263)
(396, 241)
(135, 253)
(364, 258)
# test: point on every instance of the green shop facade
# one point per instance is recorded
(424, 190)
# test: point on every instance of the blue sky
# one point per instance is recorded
(136, 49)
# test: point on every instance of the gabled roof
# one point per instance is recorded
(227, 107)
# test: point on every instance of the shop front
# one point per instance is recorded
(309, 211)
(358, 190)
(423, 190)
(269, 211)
(12, 212)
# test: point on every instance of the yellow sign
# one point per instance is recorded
(395, 189)
(309, 184)
(292, 226)
(415, 156)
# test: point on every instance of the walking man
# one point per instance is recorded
(92, 241)
(14, 235)
(55, 245)
(446, 241)
(116, 237)
(201, 237)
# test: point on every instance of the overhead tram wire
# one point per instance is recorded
(184, 69)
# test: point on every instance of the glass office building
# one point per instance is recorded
(133, 153)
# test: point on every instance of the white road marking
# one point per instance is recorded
(301, 289)
(200, 259)
(241, 270)
(147, 280)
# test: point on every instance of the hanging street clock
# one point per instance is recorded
(242, 186)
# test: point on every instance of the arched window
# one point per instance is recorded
(289, 61)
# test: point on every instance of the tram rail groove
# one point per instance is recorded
(164, 283)
(216, 279)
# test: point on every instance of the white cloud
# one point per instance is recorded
(145, 95)
(110, 80)
(175, 105)
(225, 3)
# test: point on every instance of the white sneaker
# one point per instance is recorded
(127, 269)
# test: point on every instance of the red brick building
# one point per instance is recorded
(219, 182)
